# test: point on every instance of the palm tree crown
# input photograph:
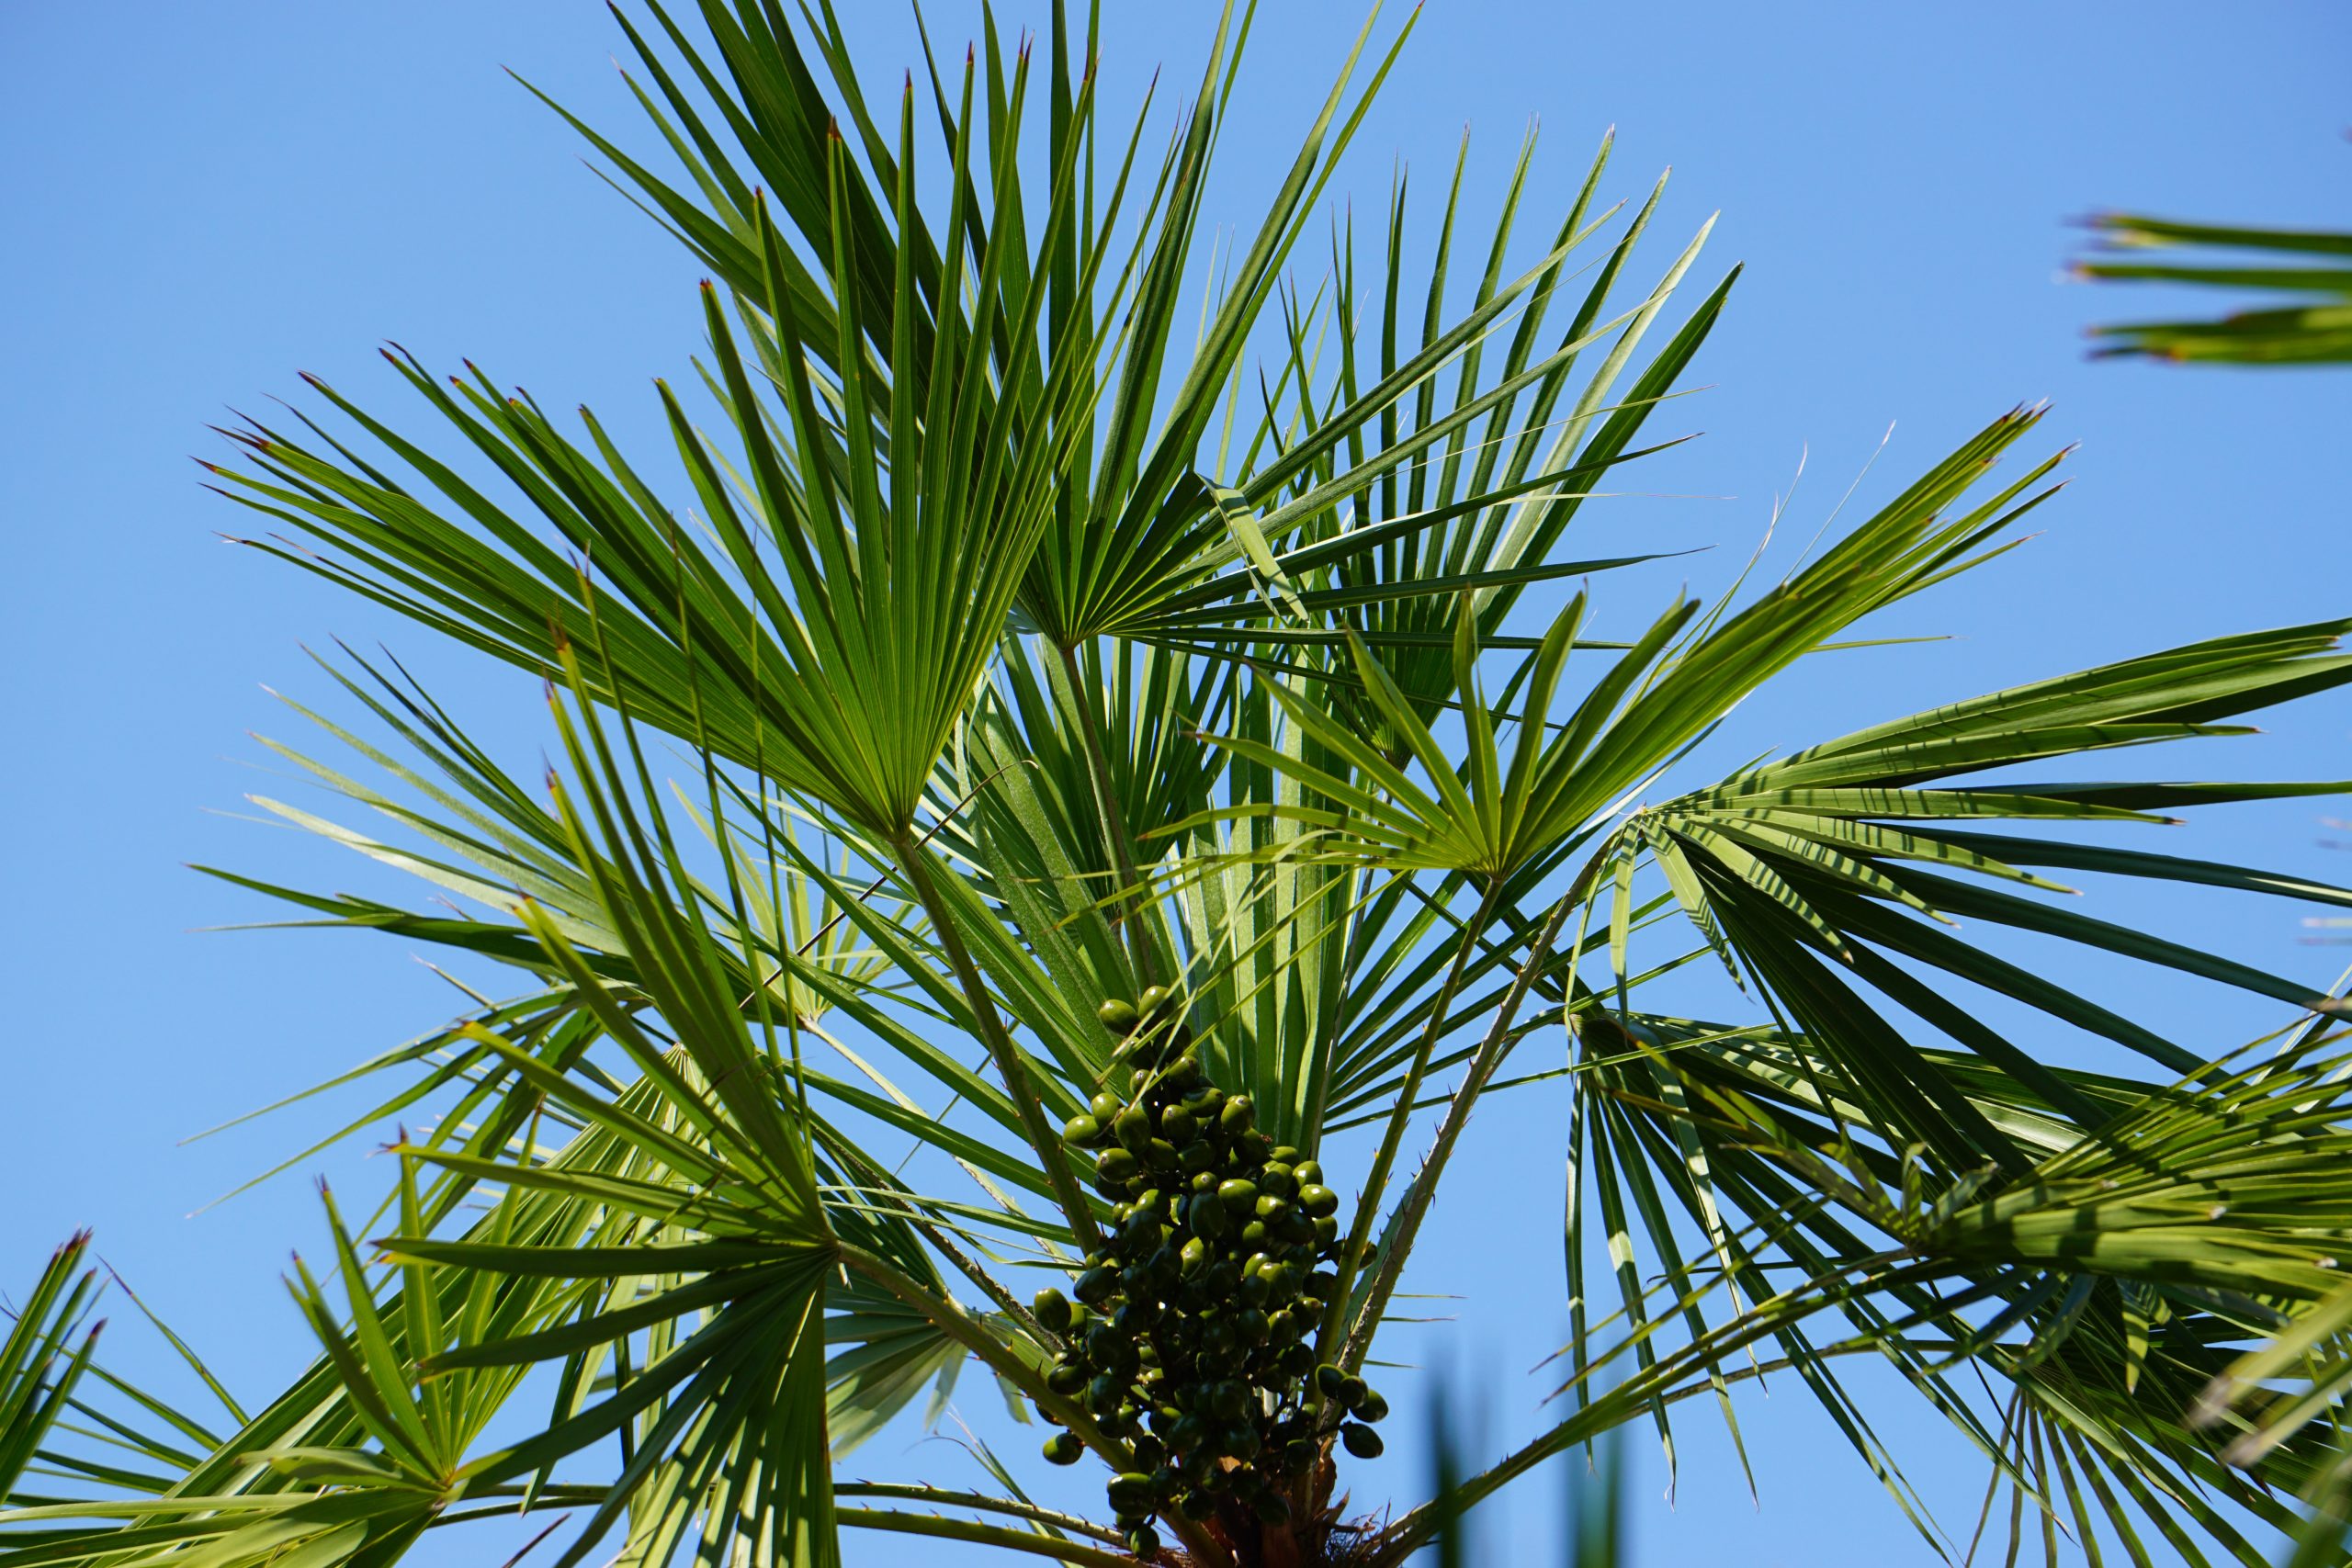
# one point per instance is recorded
(1122, 754)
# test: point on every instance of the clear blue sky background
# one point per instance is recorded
(202, 199)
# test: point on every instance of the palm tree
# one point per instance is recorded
(1145, 782)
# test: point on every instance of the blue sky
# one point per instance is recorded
(204, 200)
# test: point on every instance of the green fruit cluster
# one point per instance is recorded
(1188, 1336)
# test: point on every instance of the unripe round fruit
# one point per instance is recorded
(1130, 1492)
(1317, 1200)
(1117, 1164)
(1118, 1017)
(1371, 1408)
(1238, 1116)
(1239, 1197)
(1360, 1441)
(1178, 1125)
(1063, 1448)
(1052, 1309)
(1104, 1107)
(1154, 999)
(1081, 1130)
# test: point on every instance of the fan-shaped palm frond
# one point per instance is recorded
(2304, 270)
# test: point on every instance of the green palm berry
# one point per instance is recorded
(1063, 1448)
(1360, 1441)
(1178, 1125)
(1129, 1492)
(1104, 1107)
(1117, 1164)
(1154, 999)
(1052, 1309)
(1118, 1017)
(1238, 1116)
(1370, 1407)
(1081, 1130)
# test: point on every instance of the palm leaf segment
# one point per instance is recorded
(2304, 271)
